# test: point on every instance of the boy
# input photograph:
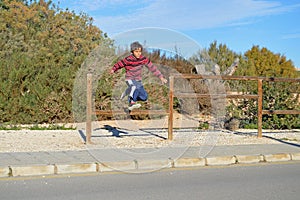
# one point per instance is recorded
(134, 64)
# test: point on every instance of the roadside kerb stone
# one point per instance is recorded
(76, 168)
(277, 157)
(142, 165)
(154, 164)
(4, 171)
(295, 156)
(249, 159)
(189, 162)
(220, 160)
(37, 170)
(117, 166)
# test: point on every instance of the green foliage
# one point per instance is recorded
(51, 127)
(263, 62)
(203, 125)
(12, 128)
(276, 96)
(41, 48)
(280, 96)
(36, 127)
(221, 55)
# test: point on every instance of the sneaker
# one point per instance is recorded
(134, 105)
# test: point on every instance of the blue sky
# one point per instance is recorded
(239, 24)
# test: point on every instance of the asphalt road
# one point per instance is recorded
(262, 181)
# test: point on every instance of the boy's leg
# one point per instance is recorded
(142, 95)
(139, 93)
(133, 94)
(125, 93)
(131, 89)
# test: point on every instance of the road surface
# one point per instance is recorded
(262, 181)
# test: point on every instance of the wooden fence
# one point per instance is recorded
(173, 94)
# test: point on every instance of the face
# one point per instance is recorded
(137, 53)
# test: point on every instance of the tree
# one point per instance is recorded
(277, 96)
(255, 62)
(263, 62)
(41, 48)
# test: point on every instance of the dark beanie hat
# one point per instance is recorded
(135, 45)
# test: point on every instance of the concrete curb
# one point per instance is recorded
(189, 162)
(221, 160)
(136, 166)
(4, 172)
(295, 156)
(277, 157)
(117, 166)
(76, 168)
(249, 159)
(146, 165)
(31, 170)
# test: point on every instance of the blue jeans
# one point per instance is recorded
(136, 91)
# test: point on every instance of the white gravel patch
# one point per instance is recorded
(105, 137)
(34, 141)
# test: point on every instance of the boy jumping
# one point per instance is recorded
(134, 64)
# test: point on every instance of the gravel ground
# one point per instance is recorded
(142, 134)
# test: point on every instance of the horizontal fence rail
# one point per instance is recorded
(134, 112)
(172, 94)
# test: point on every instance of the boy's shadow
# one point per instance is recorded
(115, 132)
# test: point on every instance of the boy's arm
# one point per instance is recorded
(163, 80)
(120, 64)
(156, 72)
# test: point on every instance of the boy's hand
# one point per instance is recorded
(163, 80)
(112, 71)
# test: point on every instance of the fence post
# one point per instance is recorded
(259, 109)
(171, 96)
(89, 79)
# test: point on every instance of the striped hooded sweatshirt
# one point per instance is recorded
(134, 67)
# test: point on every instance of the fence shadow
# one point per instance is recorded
(269, 137)
(82, 135)
(283, 141)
